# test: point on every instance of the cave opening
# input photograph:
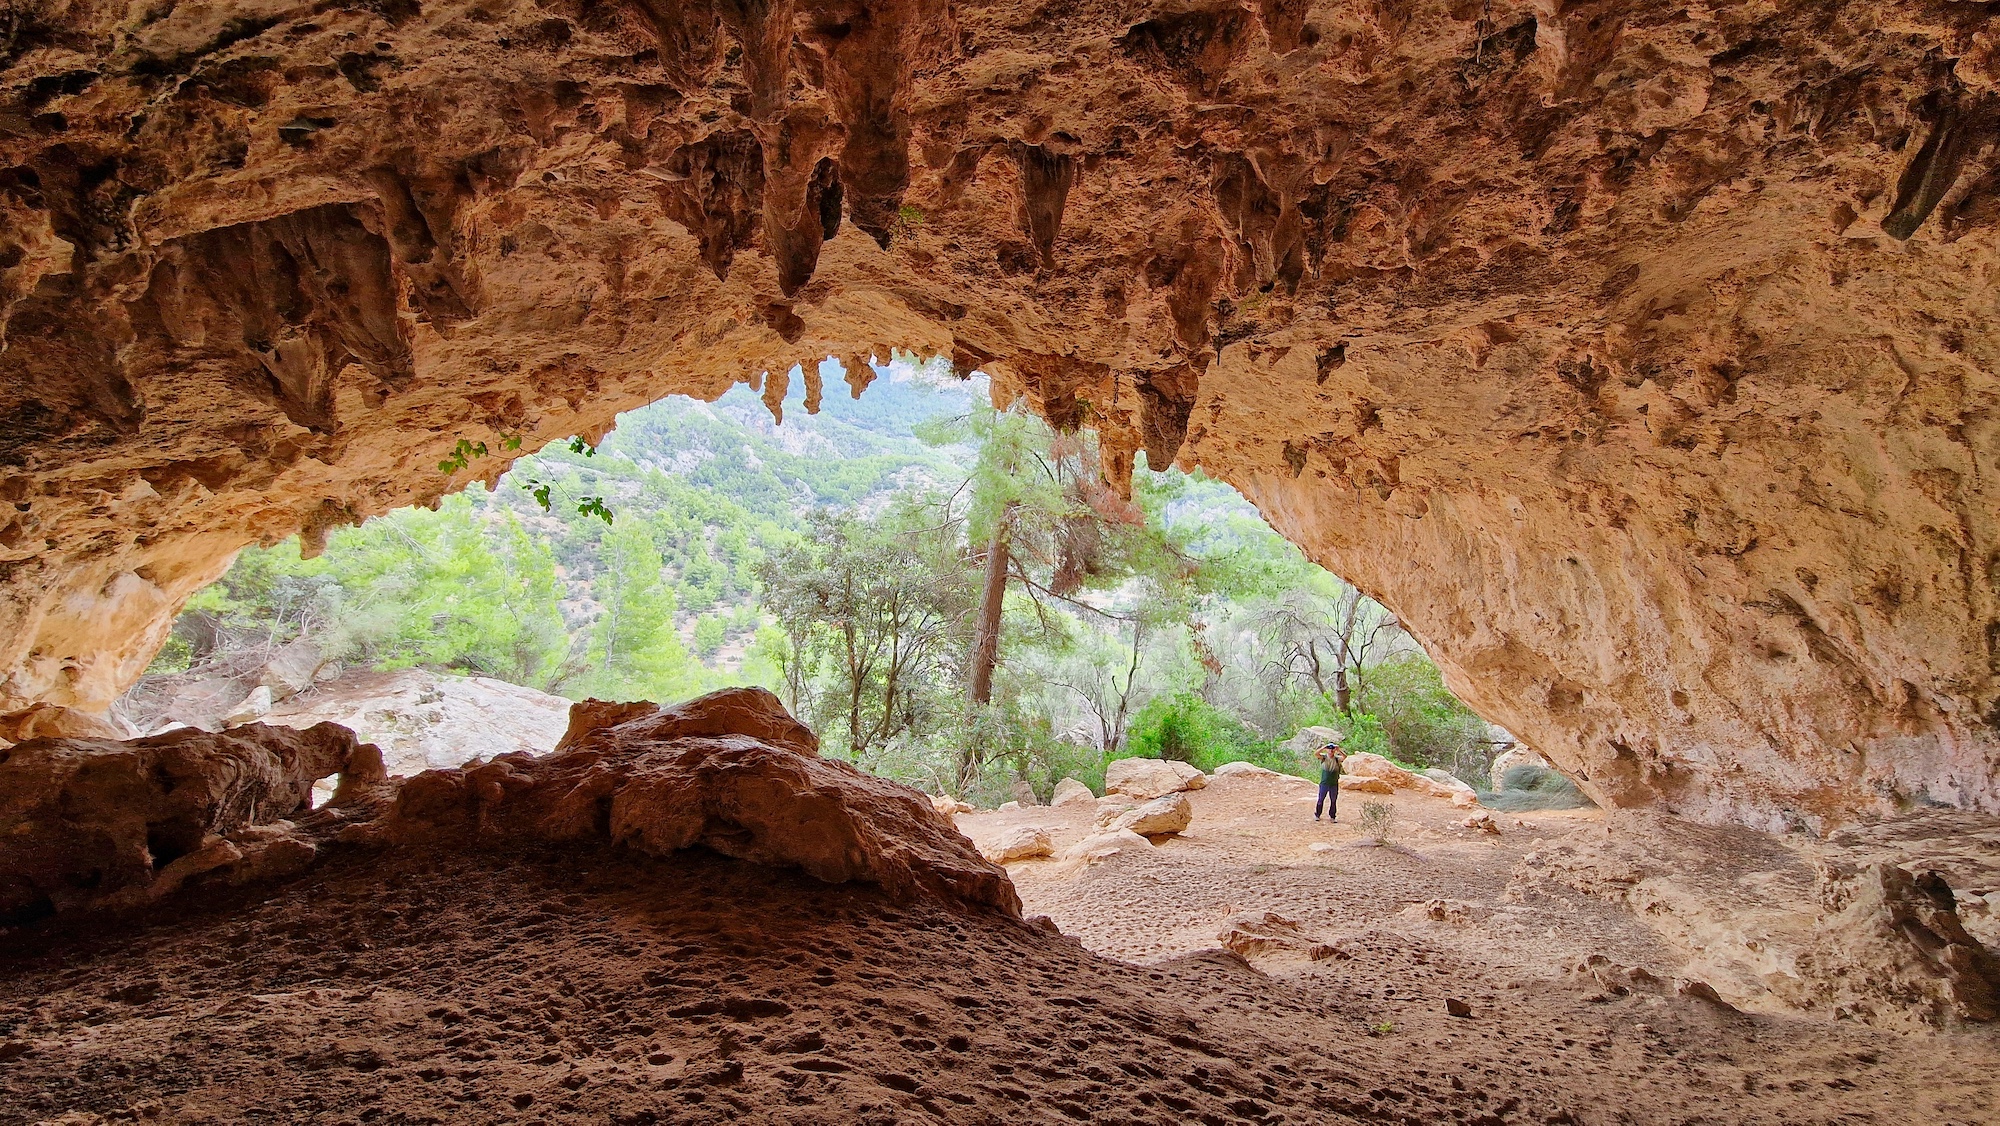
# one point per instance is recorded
(696, 545)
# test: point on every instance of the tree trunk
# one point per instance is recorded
(986, 631)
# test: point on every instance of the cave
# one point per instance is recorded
(1634, 354)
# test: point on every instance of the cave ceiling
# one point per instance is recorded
(1637, 354)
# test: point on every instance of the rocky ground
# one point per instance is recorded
(583, 982)
(1446, 912)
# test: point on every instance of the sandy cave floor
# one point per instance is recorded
(586, 985)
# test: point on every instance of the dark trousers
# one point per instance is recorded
(1329, 797)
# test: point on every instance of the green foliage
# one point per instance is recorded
(1528, 786)
(845, 550)
(1186, 728)
(1423, 723)
(708, 635)
(873, 613)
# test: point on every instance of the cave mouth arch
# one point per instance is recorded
(528, 585)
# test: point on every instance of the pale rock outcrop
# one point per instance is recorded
(1267, 934)
(1022, 842)
(1772, 925)
(1311, 738)
(1364, 784)
(48, 721)
(1244, 770)
(1162, 816)
(1364, 764)
(424, 720)
(951, 806)
(1102, 846)
(1069, 791)
(91, 822)
(1148, 778)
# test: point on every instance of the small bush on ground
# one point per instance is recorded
(1529, 786)
(1378, 821)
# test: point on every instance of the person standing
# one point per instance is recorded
(1330, 759)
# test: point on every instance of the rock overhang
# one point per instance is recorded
(1635, 355)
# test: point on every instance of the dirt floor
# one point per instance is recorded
(591, 985)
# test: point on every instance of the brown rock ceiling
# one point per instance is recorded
(1636, 353)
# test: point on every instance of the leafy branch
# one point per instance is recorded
(467, 451)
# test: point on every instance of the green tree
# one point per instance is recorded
(634, 651)
(874, 605)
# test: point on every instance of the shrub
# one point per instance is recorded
(1378, 821)
(1528, 786)
(1423, 724)
(1186, 728)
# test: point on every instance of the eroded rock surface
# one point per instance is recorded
(90, 822)
(1638, 355)
(1765, 923)
(86, 821)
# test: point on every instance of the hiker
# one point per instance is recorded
(1330, 758)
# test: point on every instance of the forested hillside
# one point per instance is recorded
(949, 593)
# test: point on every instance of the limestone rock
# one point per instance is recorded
(423, 720)
(251, 708)
(1069, 791)
(270, 301)
(88, 819)
(1022, 842)
(1160, 817)
(1245, 770)
(1311, 738)
(1104, 845)
(951, 806)
(48, 721)
(1148, 778)
(1267, 934)
(731, 771)
(1362, 784)
(1363, 764)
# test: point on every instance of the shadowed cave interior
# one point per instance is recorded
(1636, 356)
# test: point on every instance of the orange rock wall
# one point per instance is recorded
(1637, 354)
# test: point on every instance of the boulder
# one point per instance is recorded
(50, 721)
(294, 667)
(1069, 791)
(1312, 738)
(1440, 784)
(951, 806)
(1159, 817)
(1022, 842)
(1246, 770)
(251, 708)
(423, 719)
(1356, 783)
(1103, 846)
(1148, 778)
(89, 820)
(1362, 764)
